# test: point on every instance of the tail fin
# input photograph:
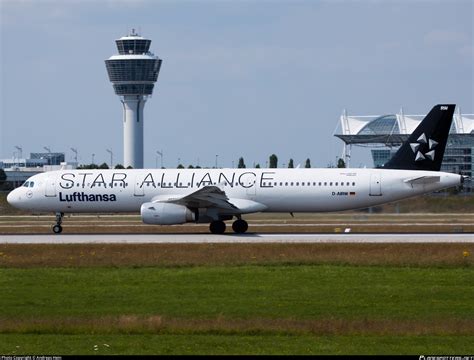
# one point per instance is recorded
(425, 147)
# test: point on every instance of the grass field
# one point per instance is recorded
(237, 299)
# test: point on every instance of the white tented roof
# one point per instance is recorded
(397, 124)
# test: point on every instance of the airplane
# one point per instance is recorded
(177, 196)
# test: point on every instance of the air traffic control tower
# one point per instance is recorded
(133, 73)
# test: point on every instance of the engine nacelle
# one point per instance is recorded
(165, 214)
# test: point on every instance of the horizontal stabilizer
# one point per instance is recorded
(422, 180)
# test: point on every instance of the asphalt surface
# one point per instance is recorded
(232, 238)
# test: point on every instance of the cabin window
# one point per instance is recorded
(336, 184)
(297, 184)
(32, 183)
(353, 184)
(26, 184)
(302, 184)
(286, 184)
(330, 184)
(325, 183)
(291, 184)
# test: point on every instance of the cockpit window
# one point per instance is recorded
(26, 184)
(32, 183)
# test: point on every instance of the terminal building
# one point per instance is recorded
(18, 170)
(384, 134)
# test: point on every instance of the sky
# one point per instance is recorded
(239, 78)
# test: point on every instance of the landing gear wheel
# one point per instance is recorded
(240, 226)
(57, 229)
(217, 227)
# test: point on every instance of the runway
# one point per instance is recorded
(232, 238)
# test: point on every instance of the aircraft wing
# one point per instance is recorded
(208, 196)
(213, 197)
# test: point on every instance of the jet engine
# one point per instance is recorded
(165, 214)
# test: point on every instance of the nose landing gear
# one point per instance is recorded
(57, 229)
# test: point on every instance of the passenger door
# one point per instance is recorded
(50, 186)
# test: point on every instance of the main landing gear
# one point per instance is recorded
(239, 226)
(57, 229)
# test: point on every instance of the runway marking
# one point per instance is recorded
(232, 238)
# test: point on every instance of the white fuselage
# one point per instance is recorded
(276, 190)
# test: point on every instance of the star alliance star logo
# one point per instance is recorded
(427, 155)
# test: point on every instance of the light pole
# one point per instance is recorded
(20, 151)
(19, 155)
(75, 153)
(49, 154)
(216, 160)
(161, 158)
(111, 157)
(93, 159)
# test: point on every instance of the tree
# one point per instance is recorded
(308, 163)
(190, 167)
(290, 164)
(90, 166)
(341, 163)
(273, 161)
(119, 166)
(257, 166)
(104, 166)
(241, 164)
(129, 167)
(180, 166)
(3, 178)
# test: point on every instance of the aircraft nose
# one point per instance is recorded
(12, 198)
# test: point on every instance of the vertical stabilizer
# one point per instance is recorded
(424, 149)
